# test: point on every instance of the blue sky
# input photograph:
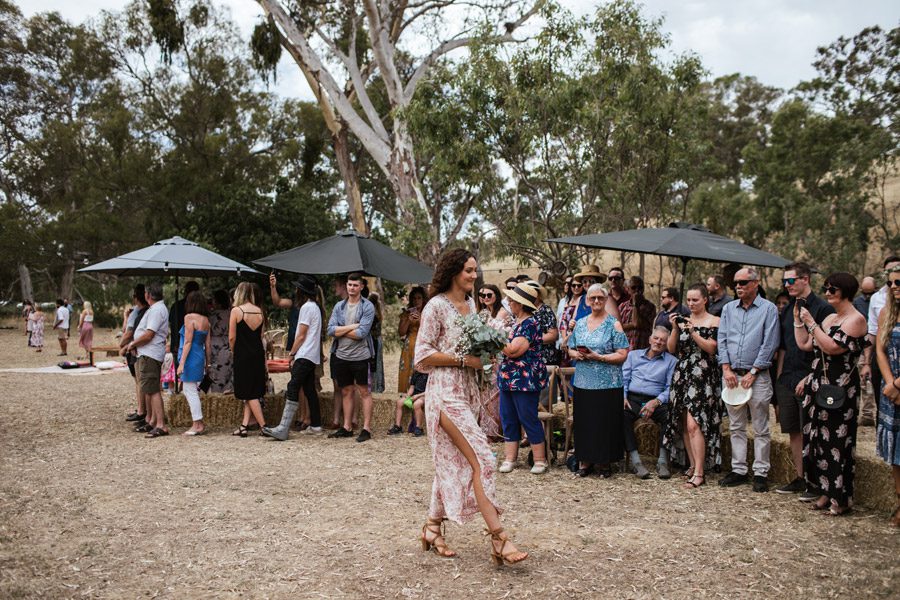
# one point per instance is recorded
(773, 40)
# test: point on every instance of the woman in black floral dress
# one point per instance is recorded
(829, 434)
(695, 415)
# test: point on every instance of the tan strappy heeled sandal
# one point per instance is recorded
(438, 544)
(499, 556)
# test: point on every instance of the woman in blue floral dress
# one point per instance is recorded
(521, 377)
(887, 348)
(599, 347)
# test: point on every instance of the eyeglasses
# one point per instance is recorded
(597, 299)
(829, 289)
(743, 282)
(487, 295)
(616, 278)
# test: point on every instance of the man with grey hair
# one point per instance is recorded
(646, 377)
(150, 343)
(748, 338)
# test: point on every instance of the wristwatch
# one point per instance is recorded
(754, 371)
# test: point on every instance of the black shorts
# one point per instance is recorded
(790, 409)
(348, 372)
(419, 382)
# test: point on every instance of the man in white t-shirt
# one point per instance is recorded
(61, 325)
(306, 354)
(150, 343)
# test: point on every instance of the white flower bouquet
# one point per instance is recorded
(477, 338)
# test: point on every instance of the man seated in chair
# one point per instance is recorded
(646, 376)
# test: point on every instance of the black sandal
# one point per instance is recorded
(156, 432)
(146, 427)
(240, 431)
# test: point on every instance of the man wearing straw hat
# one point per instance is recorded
(748, 338)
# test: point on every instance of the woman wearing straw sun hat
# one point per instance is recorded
(522, 376)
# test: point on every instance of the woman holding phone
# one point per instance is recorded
(598, 347)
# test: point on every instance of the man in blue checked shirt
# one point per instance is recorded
(748, 338)
(646, 377)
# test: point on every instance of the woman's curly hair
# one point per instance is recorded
(449, 266)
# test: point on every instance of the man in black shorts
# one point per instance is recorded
(794, 365)
(350, 324)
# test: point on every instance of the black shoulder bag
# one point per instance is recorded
(830, 396)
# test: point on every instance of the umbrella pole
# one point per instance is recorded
(684, 262)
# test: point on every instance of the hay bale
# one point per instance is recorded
(224, 410)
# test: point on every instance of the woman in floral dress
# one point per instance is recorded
(489, 415)
(463, 463)
(695, 415)
(37, 328)
(829, 435)
(887, 438)
(220, 367)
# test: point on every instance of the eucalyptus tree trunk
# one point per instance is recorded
(25, 283)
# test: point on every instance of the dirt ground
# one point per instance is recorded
(90, 509)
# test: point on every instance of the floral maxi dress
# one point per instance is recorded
(696, 388)
(453, 392)
(829, 435)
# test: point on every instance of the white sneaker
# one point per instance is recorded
(311, 430)
(540, 467)
(507, 466)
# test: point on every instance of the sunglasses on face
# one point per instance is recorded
(616, 278)
(486, 295)
(829, 289)
(893, 283)
(597, 299)
(510, 287)
(743, 282)
(577, 284)
(790, 280)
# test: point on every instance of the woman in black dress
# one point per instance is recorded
(829, 433)
(695, 415)
(245, 336)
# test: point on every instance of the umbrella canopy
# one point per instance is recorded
(684, 240)
(346, 252)
(174, 256)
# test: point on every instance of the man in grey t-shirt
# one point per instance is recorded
(350, 324)
(150, 344)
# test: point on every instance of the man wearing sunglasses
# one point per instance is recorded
(868, 367)
(748, 339)
(793, 365)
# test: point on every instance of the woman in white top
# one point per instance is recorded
(86, 327)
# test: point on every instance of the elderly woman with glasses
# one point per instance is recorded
(831, 394)
(599, 347)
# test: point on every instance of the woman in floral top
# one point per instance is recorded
(599, 346)
(521, 378)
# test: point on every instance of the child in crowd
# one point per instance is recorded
(415, 400)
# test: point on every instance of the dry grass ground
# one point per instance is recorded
(90, 509)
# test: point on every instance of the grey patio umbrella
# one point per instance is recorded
(174, 256)
(346, 252)
(683, 240)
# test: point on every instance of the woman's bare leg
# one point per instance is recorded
(697, 444)
(686, 438)
(487, 509)
(255, 409)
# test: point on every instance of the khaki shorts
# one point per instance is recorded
(148, 373)
(62, 334)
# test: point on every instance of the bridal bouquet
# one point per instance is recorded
(479, 339)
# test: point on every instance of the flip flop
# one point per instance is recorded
(831, 512)
(193, 432)
(156, 432)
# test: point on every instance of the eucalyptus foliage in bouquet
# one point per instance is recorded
(479, 339)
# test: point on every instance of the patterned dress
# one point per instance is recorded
(696, 388)
(546, 320)
(489, 414)
(220, 354)
(888, 432)
(406, 357)
(453, 392)
(829, 436)
(37, 329)
(568, 314)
